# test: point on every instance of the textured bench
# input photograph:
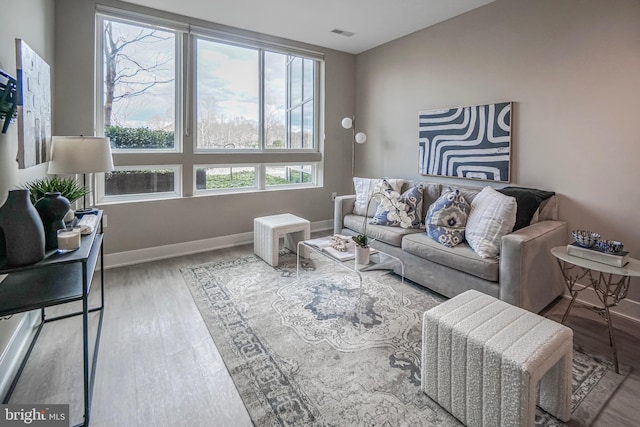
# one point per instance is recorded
(483, 358)
(267, 231)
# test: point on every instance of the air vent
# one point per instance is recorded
(342, 32)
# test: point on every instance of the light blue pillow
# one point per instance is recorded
(410, 202)
(447, 217)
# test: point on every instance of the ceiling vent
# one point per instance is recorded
(342, 32)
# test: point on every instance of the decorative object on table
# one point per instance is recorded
(34, 107)
(447, 218)
(360, 138)
(466, 142)
(612, 247)
(8, 99)
(364, 189)
(68, 239)
(21, 229)
(362, 255)
(67, 187)
(594, 253)
(52, 209)
(81, 154)
(585, 238)
(399, 210)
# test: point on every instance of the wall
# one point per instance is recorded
(133, 226)
(570, 66)
(32, 21)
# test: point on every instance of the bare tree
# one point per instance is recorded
(126, 76)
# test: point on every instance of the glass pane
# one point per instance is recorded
(222, 178)
(275, 99)
(139, 86)
(308, 79)
(296, 81)
(295, 127)
(307, 125)
(139, 182)
(283, 175)
(227, 96)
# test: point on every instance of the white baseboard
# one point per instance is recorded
(627, 308)
(16, 349)
(138, 256)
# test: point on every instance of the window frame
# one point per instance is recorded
(206, 191)
(103, 199)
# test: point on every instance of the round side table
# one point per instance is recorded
(610, 284)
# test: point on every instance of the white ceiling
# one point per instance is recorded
(374, 22)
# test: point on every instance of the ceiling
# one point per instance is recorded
(374, 22)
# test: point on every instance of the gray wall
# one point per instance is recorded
(32, 21)
(142, 225)
(572, 68)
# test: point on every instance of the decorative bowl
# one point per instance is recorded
(610, 246)
(585, 238)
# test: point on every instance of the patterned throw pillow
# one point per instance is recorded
(447, 217)
(492, 216)
(397, 210)
(364, 188)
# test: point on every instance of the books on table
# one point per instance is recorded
(324, 244)
(594, 254)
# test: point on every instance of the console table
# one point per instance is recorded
(610, 284)
(58, 279)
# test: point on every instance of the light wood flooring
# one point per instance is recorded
(158, 366)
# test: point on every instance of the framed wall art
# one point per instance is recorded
(34, 107)
(466, 142)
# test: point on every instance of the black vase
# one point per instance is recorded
(52, 209)
(21, 230)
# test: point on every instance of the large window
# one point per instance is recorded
(248, 97)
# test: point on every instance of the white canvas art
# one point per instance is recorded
(34, 107)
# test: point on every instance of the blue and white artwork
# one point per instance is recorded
(467, 142)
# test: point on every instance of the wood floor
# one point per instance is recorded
(158, 366)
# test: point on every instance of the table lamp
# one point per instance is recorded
(81, 154)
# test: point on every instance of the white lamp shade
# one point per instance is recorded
(347, 122)
(361, 137)
(80, 154)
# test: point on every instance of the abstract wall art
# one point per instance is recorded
(34, 107)
(466, 142)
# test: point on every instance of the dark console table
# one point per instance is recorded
(58, 279)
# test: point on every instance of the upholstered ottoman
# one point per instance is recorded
(267, 231)
(483, 358)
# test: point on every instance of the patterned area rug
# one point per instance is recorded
(322, 350)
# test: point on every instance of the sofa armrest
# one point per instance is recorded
(529, 274)
(343, 206)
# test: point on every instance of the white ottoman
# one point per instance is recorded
(482, 359)
(267, 231)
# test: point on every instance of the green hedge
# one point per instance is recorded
(137, 138)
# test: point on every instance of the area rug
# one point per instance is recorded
(322, 349)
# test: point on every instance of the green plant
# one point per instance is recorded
(67, 187)
(139, 138)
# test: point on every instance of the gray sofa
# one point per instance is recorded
(525, 274)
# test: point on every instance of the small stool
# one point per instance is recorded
(267, 231)
(482, 359)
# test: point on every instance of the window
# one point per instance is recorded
(250, 97)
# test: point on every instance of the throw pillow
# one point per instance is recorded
(364, 188)
(447, 217)
(528, 200)
(492, 216)
(397, 210)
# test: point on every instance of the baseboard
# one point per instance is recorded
(138, 256)
(16, 349)
(627, 308)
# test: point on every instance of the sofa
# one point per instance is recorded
(524, 274)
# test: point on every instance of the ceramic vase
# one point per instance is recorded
(21, 230)
(52, 209)
(362, 256)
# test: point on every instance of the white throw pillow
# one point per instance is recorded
(364, 188)
(492, 216)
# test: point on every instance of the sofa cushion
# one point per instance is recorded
(399, 210)
(447, 217)
(390, 235)
(460, 257)
(492, 216)
(528, 201)
(364, 188)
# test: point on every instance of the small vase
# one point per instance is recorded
(52, 209)
(362, 255)
(21, 230)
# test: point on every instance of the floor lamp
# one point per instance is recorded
(360, 138)
(81, 154)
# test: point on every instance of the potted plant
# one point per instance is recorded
(67, 187)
